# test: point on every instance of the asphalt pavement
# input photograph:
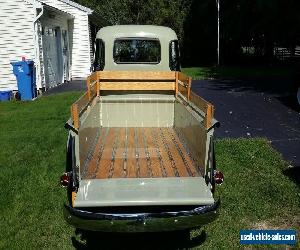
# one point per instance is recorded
(255, 108)
(78, 85)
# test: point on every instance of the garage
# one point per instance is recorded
(54, 33)
(58, 35)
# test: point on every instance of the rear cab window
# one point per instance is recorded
(137, 51)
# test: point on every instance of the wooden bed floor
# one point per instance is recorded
(139, 153)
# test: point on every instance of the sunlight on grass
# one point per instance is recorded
(255, 190)
(32, 157)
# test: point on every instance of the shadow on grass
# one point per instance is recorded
(162, 240)
(293, 173)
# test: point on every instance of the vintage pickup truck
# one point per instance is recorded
(140, 151)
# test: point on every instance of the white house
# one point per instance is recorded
(55, 34)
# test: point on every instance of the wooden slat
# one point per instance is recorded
(197, 137)
(183, 90)
(183, 77)
(170, 172)
(137, 75)
(198, 102)
(184, 85)
(131, 160)
(209, 116)
(93, 77)
(75, 115)
(91, 171)
(168, 157)
(168, 153)
(155, 165)
(118, 171)
(137, 86)
(144, 171)
(82, 102)
(176, 83)
(91, 83)
(175, 155)
(88, 86)
(93, 90)
(189, 87)
(205, 107)
(98, 83)
(98, 88)
(74, 194)
(105, 162)
(155, 134)
(188, 161)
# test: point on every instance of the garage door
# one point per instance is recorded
(52, 55)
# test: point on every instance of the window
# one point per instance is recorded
(174, 60)
(99, 55)
(134, 50)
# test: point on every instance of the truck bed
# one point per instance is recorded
(139, 152)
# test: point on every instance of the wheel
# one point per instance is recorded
(17, 96)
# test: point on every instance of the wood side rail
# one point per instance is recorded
(184, 84)
(141, 80)
(206, 107)
(136, 80)
(81, 104)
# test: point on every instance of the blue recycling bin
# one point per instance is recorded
(5, 95)
(24, 72)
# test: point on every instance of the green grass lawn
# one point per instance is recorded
(227, 72)
(256, 193)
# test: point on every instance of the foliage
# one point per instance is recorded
(169, 13)
(253, 23)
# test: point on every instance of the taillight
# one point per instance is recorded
(219, 177)
(65, 179)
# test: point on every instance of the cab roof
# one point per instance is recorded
(147, 31)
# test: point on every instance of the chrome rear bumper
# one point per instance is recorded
(141, 222)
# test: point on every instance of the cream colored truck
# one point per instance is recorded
(140, 152)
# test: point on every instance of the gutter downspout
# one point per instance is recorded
(36, 45)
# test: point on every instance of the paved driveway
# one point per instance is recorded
(255, 108)
(78, 85)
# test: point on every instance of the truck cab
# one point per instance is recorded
(137, 48)
(140, 150)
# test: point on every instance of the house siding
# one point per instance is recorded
(79, 40)
(16, 38)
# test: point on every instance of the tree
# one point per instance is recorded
(169, 13)
(262, 24)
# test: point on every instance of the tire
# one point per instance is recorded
(17, 96)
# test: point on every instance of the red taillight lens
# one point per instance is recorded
(219, 177)
(65, 180)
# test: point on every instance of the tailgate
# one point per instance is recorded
(143, 192)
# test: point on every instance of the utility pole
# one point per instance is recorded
(218, 49)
